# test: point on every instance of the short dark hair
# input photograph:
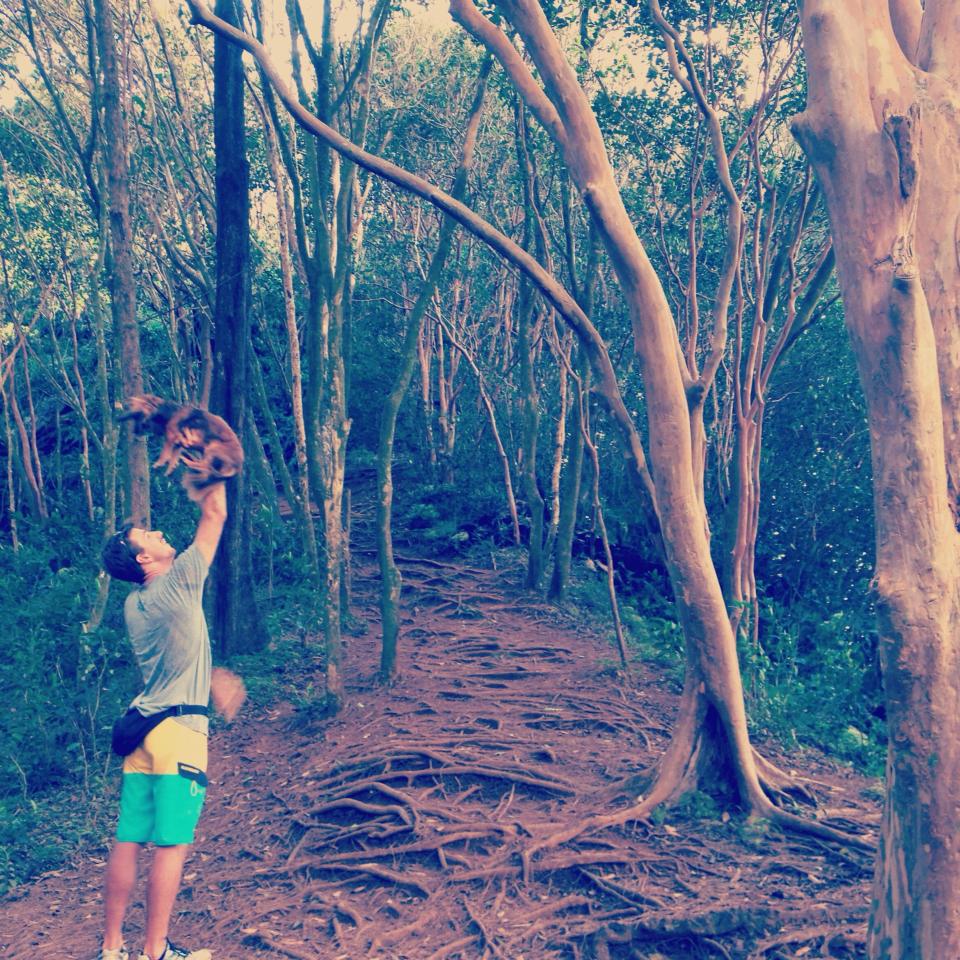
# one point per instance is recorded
(119, 557)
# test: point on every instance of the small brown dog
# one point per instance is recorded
(202, 441)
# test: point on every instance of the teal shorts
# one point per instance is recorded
(164, 785)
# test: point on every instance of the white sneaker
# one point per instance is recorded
(173, 952)
(118, 953)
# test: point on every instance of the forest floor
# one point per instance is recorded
(396, 830)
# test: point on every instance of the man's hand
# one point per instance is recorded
(215, 500)
(227, 692)
(213, 515)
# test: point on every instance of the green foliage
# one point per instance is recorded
(59, 687)
(697, 805)
(754, 833)
(814, 681)
(438, 517)
(655, 639)
(40, 834)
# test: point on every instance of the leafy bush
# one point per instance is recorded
(814, 680)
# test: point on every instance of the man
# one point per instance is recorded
(164, 779)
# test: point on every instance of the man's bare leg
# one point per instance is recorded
(162, 889)
(121, 877)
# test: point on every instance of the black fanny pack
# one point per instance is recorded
(129, 731)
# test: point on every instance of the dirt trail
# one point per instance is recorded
(396, 830)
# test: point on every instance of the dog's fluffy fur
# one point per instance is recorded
(202, 441)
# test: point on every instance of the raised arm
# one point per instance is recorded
(213, 515)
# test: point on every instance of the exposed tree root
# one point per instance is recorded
(813, 828)
(694, 754)
(780, 785)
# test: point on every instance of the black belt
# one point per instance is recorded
(182, 709)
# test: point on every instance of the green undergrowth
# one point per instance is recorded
(811, 681)
(712, 819)
(437, 517)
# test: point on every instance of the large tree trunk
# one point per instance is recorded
(237, 621)
(881, 129)
(123, 292)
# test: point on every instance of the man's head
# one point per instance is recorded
(134, 554)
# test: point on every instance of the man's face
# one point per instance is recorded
(152, 543)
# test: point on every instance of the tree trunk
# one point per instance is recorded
(446, 406)
(570, 494)
(297, 507)
(108, 448)
(713, 684)
(238, 625)
(584, 420)
(527, 313)
(11, 486)
(301, 501)
(26, 451)
(487, 402)
(530, 428)
(391, 580)
(123, 293)
(880, 129)
(425, 359)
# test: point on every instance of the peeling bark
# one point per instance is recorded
(882, 136)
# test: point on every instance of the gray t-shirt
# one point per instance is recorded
(169, 636)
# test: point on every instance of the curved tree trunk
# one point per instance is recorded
(881, 129)
(713, 682)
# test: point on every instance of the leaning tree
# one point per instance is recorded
(881, 128)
